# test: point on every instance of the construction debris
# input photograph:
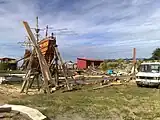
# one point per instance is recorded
(92, 70)
(110, 84)
(2, 79)
(44, 67)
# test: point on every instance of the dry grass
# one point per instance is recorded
(9, 92)
(113, 103)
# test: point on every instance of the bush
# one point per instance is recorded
(8, 66)
(103, 66)
(3, 66)
(120, 61)
(108, 65)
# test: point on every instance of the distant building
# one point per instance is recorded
(5, 60)
(83, 63)
(70, 65)
(8, 64)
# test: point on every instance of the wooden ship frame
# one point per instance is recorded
(43, 64)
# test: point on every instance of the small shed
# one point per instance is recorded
(5, 60)
(70, 65)
(8, 64)
(83, 63)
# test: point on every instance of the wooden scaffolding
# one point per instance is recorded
(44, 60)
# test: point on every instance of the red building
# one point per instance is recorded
(83, 63)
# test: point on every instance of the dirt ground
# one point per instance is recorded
(12, 92)
(9, 92)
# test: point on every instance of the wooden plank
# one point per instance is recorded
(27, 85)
(110, 84)
(25, 81)
(43, 64)
(27, 76)
(56, 72)
(37, 79)
(5, 109)
(32, 81)
(102, 86)
(62, 66)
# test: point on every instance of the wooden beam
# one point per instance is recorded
(37, 80)
(27, 76)
(62, 66)
(5, 109)
(110, 84)
(56, 72)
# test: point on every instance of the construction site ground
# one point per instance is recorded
(126, 102)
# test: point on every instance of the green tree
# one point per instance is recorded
(108, 65)
(120, 60)
(138, 62)
(156, 54)
(4, 66)
(103, 66)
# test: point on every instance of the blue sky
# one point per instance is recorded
(105, 28)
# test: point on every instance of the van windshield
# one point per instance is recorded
(155, 68)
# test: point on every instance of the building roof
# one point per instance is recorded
(7, 58)
(90, 59)
(148, 63)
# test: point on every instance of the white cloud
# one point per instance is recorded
(113, 26)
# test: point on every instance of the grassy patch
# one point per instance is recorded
(12, 72)
(120, 102)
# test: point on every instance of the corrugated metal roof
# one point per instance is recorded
(148, 63)
(90, 59)
(7, 58)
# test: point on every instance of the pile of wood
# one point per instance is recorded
(92, 70)
(108, 81)
(108, 85)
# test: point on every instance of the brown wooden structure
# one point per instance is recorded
(47, 48)
(44, 60)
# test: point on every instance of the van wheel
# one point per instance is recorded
(139, 85)
(158, 87)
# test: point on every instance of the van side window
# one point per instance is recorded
(144, 68)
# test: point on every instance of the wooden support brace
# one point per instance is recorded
(31, 82)
(27, 85)
(27, 76)
(37, 79)
(25, 81)
(62, 65)
(56, 72)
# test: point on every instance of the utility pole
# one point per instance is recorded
(134, 60)
(37, 29)
(46, 31)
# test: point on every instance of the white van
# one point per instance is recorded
(148, 74)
